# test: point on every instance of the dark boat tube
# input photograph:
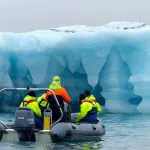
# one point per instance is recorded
(77, 132)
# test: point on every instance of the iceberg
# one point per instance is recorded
(114, 78)
(112, 61)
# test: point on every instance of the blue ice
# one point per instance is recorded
(111, 60)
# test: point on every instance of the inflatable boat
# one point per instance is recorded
(23, 128)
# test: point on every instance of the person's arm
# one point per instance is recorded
(21, 105)
(66, 96)
(37, 110)
(39, 99)
(98, 106)
(84, 109)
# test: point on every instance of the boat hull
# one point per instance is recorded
(59, 132)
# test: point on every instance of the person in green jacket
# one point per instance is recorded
(43, 102)
(30, 102)
(90, 97)
(88, 111)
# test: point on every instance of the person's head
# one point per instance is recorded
(32, 93)
(81, 97)
(56, 79)
(55, 83)
(87, 93)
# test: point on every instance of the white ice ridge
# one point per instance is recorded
(112, 25)
(126, 25)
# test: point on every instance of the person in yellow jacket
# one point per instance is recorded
(88, 111)
(30, 102)
(90, 97)
(43, 102)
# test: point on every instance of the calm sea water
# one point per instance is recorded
(123, 132)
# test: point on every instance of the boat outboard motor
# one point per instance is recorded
(25, 124)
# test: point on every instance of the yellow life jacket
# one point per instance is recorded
(30, 102)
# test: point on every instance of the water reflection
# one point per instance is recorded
(73, 146)
(91, 146)
(123, 132)
(54, 146)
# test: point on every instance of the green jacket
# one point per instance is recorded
(85, 107)
(42, 101)
(97, 105)
(99, 109)
(91, 97)
(30, 102)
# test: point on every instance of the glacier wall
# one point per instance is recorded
(112, 61)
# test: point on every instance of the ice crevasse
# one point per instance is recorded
(113, 61)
